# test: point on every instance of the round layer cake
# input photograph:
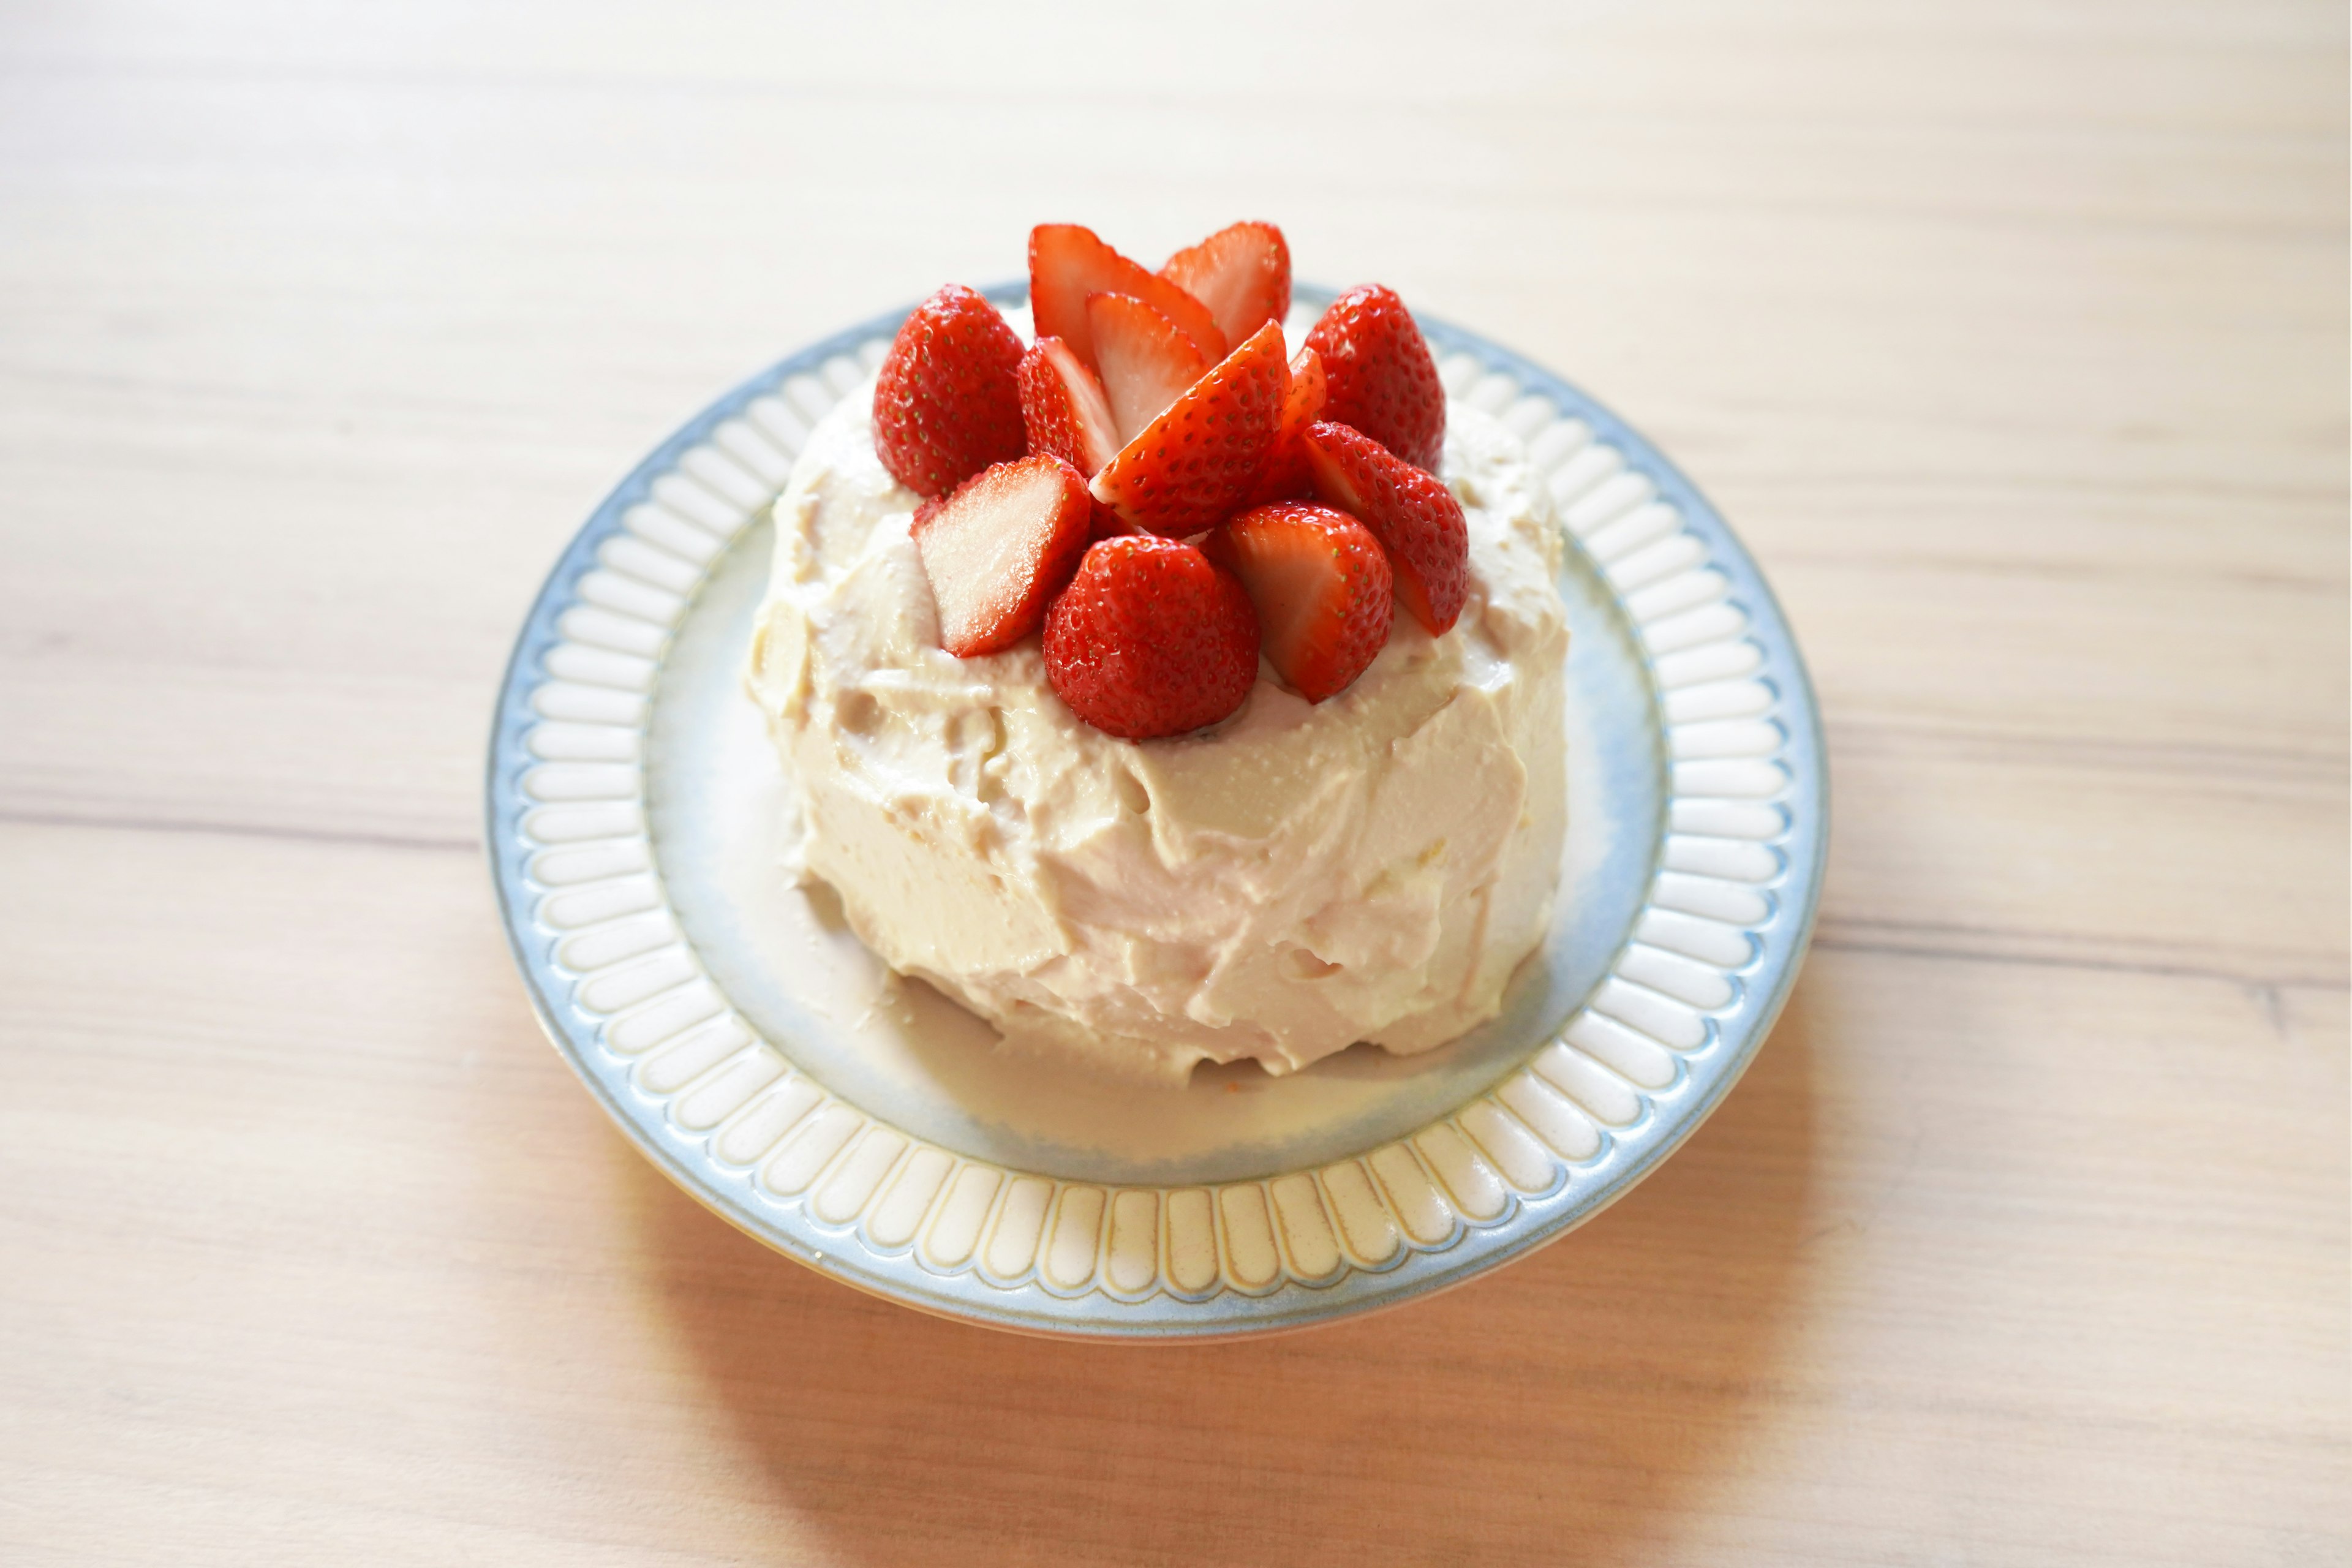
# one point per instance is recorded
(1294, 881)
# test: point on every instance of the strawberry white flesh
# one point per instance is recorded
(999, 548)
(1147, 362)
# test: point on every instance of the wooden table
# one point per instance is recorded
(2013, 338)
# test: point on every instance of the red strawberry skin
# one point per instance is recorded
(1284, 476)
(1383, 379)
(948, 401)
(1408, 509)
(1192, 467)
(1150, 638)
(1242, 273)
(1069, 263)
(1064, 409)
(1322, 588)
(999, 548)
(1108, 524)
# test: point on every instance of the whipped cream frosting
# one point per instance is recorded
(1297, 879)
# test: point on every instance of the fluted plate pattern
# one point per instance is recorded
(1580, 1114)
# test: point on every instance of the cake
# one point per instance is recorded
(1152, 765)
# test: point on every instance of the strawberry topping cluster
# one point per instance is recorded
(1159, 490)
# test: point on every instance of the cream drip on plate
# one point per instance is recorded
(1300, 878)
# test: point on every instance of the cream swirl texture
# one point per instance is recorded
(1300, 878)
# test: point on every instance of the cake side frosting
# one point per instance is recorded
(1300, 878)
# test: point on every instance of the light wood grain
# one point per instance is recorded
(2012, 338)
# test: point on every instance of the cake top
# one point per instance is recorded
(1301, 877)
(1161, 490)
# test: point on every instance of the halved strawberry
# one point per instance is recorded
(1068, 263)
(948, 402)
(1242, 273)
(1191, 467)
(1146, 362)
(1063, 407)
(1322, 588)
(1383, 378)
(1150, 638)
(1284, 476)
(999, 548)
(1409, 510)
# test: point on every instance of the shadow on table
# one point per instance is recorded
(1567, 1409)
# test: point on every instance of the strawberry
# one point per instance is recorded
(1241, 273)
(1067, 264)
(1285, 475)
(1146, 362)
(1108, 524)
(1191, 466)
(1383, 380)
(947, 403)
(1322, 588)
(1409, 510)
(1063, 407)
(1150, 638)
(999, 548)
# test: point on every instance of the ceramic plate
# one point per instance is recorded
(861, 1124)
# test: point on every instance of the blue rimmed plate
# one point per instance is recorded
(861, 1124)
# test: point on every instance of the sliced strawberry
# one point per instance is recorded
(1146, 362)
(1150, 639)
(1063, 407)
(948, 401)
(1322, 588)
(1383, 378)
(1409, 510)
(1192, 467)
(999, 548)
(1241, 273)
(1067, 264)
(1284, 476)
